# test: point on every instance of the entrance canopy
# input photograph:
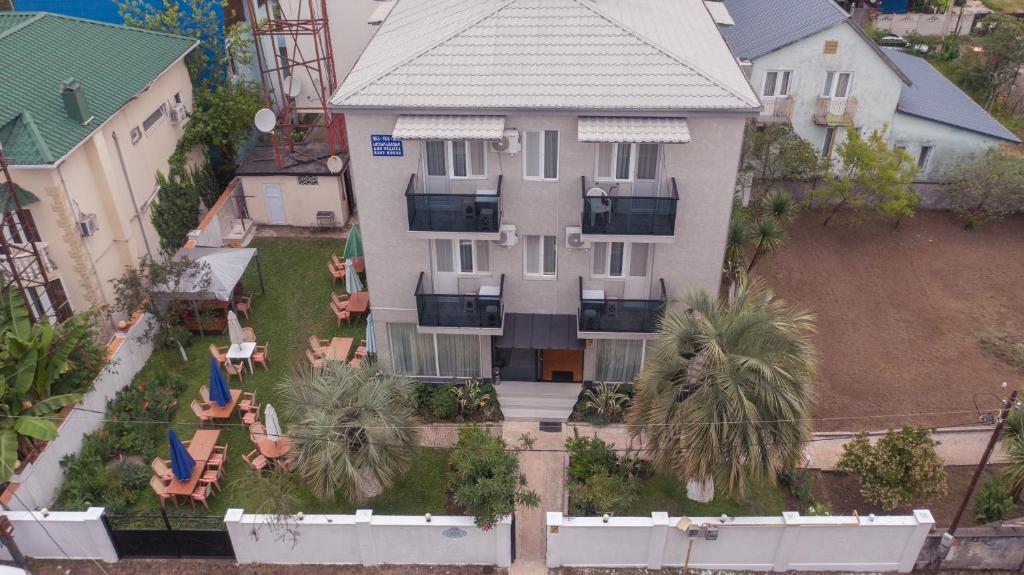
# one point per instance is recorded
(226, 267)
(448, 127)
(539, 331)
(628, 129)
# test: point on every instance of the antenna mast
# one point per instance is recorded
(298, 75)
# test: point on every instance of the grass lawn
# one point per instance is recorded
(295, 306)
(1008, 6)
(663, 492)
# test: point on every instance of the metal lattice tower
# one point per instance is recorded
(25, 265)
(299, 38)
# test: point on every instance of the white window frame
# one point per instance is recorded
(162, 109)
(615, 162)
(541, 275)
(923, 158)
(832, 80)
(643, 360)
(457, 257)
(437, 358)
(782, 77)
(450, 150)
(608, 261)
(541, 154)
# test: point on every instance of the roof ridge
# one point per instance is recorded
(21, 25)
(633, 32)
(42, 13)
(501, 6)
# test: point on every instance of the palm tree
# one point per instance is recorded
(1013, 447)
(726, 392)
(353, 428)
(737, 239)
(769, 236)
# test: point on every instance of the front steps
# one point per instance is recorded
(537, 401)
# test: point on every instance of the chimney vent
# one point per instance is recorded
(75, 104)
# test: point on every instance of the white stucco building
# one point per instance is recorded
(813, 67)
(536, 178)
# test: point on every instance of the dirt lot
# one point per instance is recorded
(189, 567)
(900, 313)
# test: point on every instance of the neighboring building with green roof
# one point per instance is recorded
(89, 112)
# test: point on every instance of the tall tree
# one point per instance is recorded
(985, 188)
(176, 210)
(777, 153)
(353, 428)
(726, 393)
(1001, 56)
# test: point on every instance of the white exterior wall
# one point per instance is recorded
(950, 144)
(705, 172)
(301, 203)
(787, 543)
(366, 539)
(75, 535)
(875, 85)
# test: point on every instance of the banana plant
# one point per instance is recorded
(32, 357)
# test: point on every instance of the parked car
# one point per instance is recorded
(894, 40)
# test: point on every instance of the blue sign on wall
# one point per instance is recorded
(385, 145)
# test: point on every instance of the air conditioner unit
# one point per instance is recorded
(574, 238)
(508, 144)
(178, 113)
(507, 236)
(87, 225)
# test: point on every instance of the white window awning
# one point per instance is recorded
(633, 130)
(445, 127)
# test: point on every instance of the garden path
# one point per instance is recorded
(545, 474)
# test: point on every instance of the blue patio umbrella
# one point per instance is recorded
(219, 392)
(181, 461)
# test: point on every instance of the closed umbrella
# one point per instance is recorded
(352, 282)
(272, 424)
(371, 338)
(354, 244)
(219, 392)
(181, 460)
(234, 329)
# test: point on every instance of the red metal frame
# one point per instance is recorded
(310, 58)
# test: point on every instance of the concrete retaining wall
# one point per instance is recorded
(61, 535)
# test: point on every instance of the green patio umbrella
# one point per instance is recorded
(354, 244)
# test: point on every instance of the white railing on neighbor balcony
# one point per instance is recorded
(835, 111)
(776, 109)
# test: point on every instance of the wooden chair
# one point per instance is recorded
(262, 355)
(341, 314)
(257, 431)
(354, 362)
(337, 273)
(212, 477)
(243, 304)
(317, 345)
(248, 334)
(361, 351)
(202, 492)
(235, 369)
(251, 417)
(219, 456)
(255, 460)
(219, 353)
(317, 362)
(340, 299)
(246, 401)
(204, 393)
(336, 261)
(159, 466)
(201, 412)
(160, 488)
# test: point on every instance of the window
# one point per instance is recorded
(826, 147)
(177, 97)
(307, 180)
(608, 259)
(922, 158)
(540, 155)
(618, 360)
(467, 158)
(464, 256)
(154, 118)
(282, 51)
(837, 85)
(540, 256)
(441, 355)
(136, 135)
(776, 83)
(627, 162)
(436, 158)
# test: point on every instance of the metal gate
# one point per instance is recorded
(167, 535)
(513, 557)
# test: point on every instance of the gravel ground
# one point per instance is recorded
(193, 567)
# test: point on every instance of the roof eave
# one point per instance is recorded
(1013, 139)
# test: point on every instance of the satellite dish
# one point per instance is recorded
(334, 164)
(293, 86)
(266, 120)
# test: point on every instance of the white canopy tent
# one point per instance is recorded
(226, 267)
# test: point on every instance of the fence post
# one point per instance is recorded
(237, 534)
(364, 536)
(503, 542)
(554, 524)
(100, 535)
(656, 546)
(915, 542)
(788, 541)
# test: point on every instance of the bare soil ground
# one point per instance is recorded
(192, 567)
(900, 314)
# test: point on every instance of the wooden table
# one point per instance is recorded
(217, 412)
(273, 450)
(359, 302)
(339, 349)
(200, 449)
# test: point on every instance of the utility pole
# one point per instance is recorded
(7, 538)
(949, 536)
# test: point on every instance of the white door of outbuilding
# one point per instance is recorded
(275, 204)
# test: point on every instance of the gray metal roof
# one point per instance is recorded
(934, 97)
(763, 26)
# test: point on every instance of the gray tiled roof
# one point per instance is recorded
(934, 97)
(763, 26)
(608, 55)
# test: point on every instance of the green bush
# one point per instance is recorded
(443, 403)
(485, 479)
(421, 394)
(900, 469)
(601, 493)
(994, 501)
(589, 456)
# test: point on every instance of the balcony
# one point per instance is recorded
(601, 314)
(835, 112)
(775, 110)
(25, 263)
(481, 312)
(473, 214)
(607, 214)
